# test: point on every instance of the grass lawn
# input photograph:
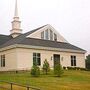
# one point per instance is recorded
(71, 80)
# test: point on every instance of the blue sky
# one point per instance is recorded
(71, 18)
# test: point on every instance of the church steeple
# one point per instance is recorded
(16, 10)
(16, 24)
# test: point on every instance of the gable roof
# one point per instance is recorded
(22, 39)
(48, 43)
(4, 39)
(32, 31)
(48, 27)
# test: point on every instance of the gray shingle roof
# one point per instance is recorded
(32, 31)
(22, 39)
(8, 40)
(4, 39)
(48, 43)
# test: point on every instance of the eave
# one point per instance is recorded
(41, 48)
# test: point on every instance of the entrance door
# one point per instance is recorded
(56, 59)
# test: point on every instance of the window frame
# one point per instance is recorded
(73, 60)
(51, 34)
(37, 59)
(42, 35)
(47, 34)
(3, 62)
(55, 37)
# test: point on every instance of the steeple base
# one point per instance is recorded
(15, 32)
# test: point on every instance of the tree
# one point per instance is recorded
(58, 70)
(88, 61)
(35, 71)
(46, 67)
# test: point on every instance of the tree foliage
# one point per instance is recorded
(46, 67)
(35, 71)
(88, 61)
(58, 70)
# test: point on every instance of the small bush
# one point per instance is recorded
(75, 68)
(46, 67)
(70, 68)
(58, 70)
(64, 68)
(83, 69)
(35, 71)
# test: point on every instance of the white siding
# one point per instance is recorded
(37, 34)
(25, 58)
(10, 60)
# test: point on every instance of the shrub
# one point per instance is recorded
(75, 68)
(70, 68)
(64, 68)
(46, 67)
(35, 71)
(83, 69)
(58, 70)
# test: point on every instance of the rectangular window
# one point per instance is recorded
(36, 59)
(46, 35)
(2, 60)
(51, 35)
(42, 35)
(55, 37)
(73, 60)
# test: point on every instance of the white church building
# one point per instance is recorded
(19, 51)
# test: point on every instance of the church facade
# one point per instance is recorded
(20, 51)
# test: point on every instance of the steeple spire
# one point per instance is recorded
(16, 24)
(16, 10)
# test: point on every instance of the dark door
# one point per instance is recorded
(56, 58)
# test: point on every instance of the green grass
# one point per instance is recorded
(71, 80)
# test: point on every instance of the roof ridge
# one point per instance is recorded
(32, 31)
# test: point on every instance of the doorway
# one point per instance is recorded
(56, 58)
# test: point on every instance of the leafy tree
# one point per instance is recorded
(35, 71)
(58, 70)
(88, 61)
(46, 67)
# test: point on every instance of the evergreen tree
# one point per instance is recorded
(35, 71)
(58, 70)
(46, 67)
(88, 61)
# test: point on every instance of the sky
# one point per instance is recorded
(71, 18)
